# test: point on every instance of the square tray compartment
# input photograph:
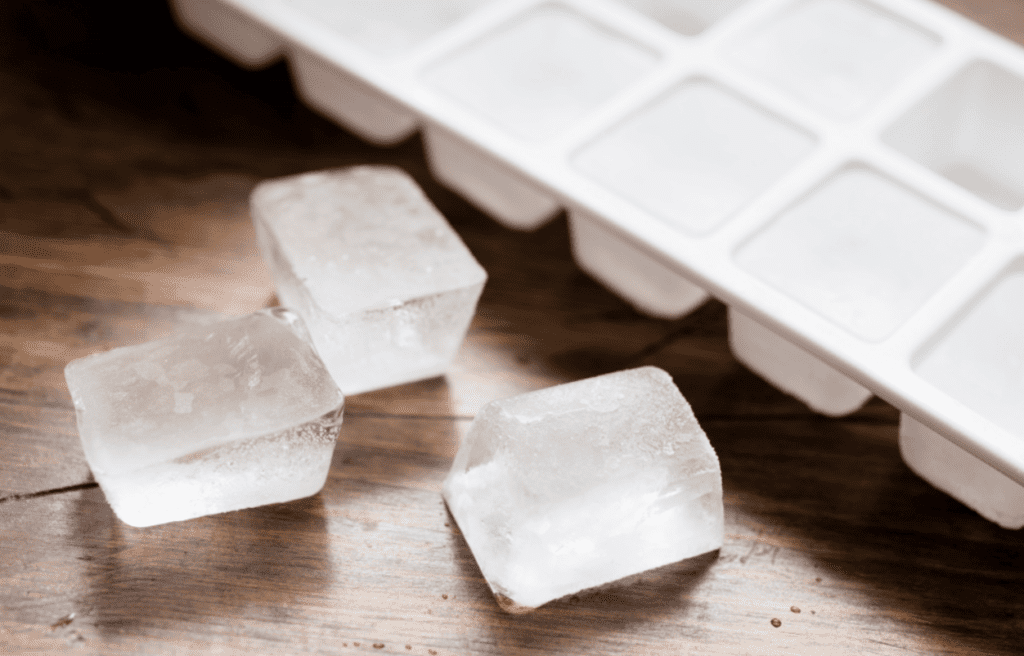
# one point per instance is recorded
(837, 56)
(635, 275)
(861, 250)
(695, 156)
(971, 131)
(542, 72)
(792, 369)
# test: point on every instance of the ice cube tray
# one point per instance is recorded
(847, 175)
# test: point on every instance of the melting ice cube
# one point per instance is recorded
(385, 285)
(585, 483)
(232, 415)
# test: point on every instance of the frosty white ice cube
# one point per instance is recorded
(232, 415)
(385, 285)
(585, 483)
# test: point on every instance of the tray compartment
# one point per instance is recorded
(343, 98)
(388, 28)
(629, 271)
(696, 156)
(792, 369)
(483, 180)
(227, 30)
(862, 251)
(543, 72)
(837, 56)
(961, 475)
(688, 17)
(971, 131)
(979, 359)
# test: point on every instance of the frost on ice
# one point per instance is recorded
(585, 483)
(385, 285)
(232, 415)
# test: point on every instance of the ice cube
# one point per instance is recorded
(385, 285)
(581, 484)
(230, 415)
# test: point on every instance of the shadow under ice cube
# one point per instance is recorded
(384, 284)
(232, 415)
(582, 484)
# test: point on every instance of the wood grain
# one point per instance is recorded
(125, 161)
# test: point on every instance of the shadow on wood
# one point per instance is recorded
(204, 571)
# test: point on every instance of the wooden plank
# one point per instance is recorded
(122, 218)
(376, 559)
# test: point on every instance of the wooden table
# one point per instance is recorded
(126, 158)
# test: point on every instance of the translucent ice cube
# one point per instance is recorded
(231, 415)
(385, 285)
(629, 271)
(585, 483)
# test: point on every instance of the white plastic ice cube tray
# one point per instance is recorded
(847, 175)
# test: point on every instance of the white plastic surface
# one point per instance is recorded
(792, 369)
(343, 98)
(629, 271)
(486, 182)
(987, 491)
(232, 32)
(849, 173)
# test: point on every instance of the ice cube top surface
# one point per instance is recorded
(240, 378)
(581, 484)
(362, 238)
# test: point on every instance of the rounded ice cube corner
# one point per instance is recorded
(229, 415)
(583, 484)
